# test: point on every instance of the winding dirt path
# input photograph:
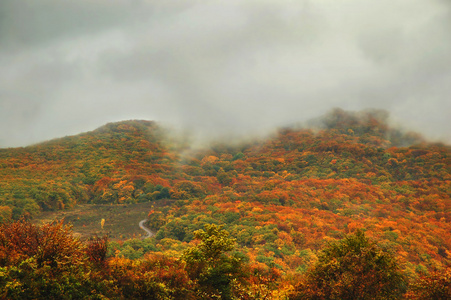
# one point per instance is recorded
(149, 233)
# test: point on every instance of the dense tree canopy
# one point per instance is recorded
(282, 198)
(209, 264)
(353, 268)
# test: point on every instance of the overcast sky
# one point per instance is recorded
(220, 67)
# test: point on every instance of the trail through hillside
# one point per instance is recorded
(149, 232)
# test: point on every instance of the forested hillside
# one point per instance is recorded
(63, 172)
(282, 198)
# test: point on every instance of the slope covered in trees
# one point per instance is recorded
(47, 262)
(282, 198)
(61, 173)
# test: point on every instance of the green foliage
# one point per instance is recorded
(131, 249)
(238, 155)
(28, 280)
(209, 264)
(5, 214)
(176, 229)
(353, 268)
(153, 192)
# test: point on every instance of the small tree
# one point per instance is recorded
(209, 264)
(97, 249)
(353, 268)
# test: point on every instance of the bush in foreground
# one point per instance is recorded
(353, 268)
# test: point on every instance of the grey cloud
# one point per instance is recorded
(26, 23)
(218, 67)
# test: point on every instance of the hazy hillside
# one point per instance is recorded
(62, 172)
(282, 197)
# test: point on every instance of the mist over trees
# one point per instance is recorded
(271, 216)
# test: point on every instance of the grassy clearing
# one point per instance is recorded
(121, 221)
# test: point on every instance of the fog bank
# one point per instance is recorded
(220, 68)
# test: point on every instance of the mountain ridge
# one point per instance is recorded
(278, 196)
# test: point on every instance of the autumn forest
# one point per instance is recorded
(348, 207)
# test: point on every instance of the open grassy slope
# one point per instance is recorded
(121, 220)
